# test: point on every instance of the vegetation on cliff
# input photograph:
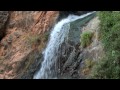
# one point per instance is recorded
(86, 38)
(109, 66)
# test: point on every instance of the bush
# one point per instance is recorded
(86, 38)
(33, 40)
(89, 63)
(46, 36)
(109, 66)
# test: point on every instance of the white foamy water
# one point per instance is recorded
(57, 36)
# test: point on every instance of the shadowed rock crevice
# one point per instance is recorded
(4, 16)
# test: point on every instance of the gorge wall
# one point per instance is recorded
(22, 39)
(24, 35)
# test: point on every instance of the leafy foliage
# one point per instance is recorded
(109, 66)
(86, 38)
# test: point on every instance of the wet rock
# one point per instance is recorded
(70, 59)
(70, 53)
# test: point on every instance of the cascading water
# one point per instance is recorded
(58, 34)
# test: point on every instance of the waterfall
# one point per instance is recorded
(57, 36)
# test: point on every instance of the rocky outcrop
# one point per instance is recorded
(4, 15)
(92, 53)
(75, 61)
(26, 36)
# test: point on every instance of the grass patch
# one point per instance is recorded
(86, 38)
(88, 65)
(33, 40)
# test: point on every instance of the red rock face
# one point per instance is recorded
(14, 49)
(45, 22)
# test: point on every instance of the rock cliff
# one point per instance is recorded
(24, 35)
(74, 61)
(22, 41)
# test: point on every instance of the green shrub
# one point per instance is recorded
(87, 66)
(109, 66)
(1, 71)
(89, 63)
(86, 38)
(46, 36)
(33, 40)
